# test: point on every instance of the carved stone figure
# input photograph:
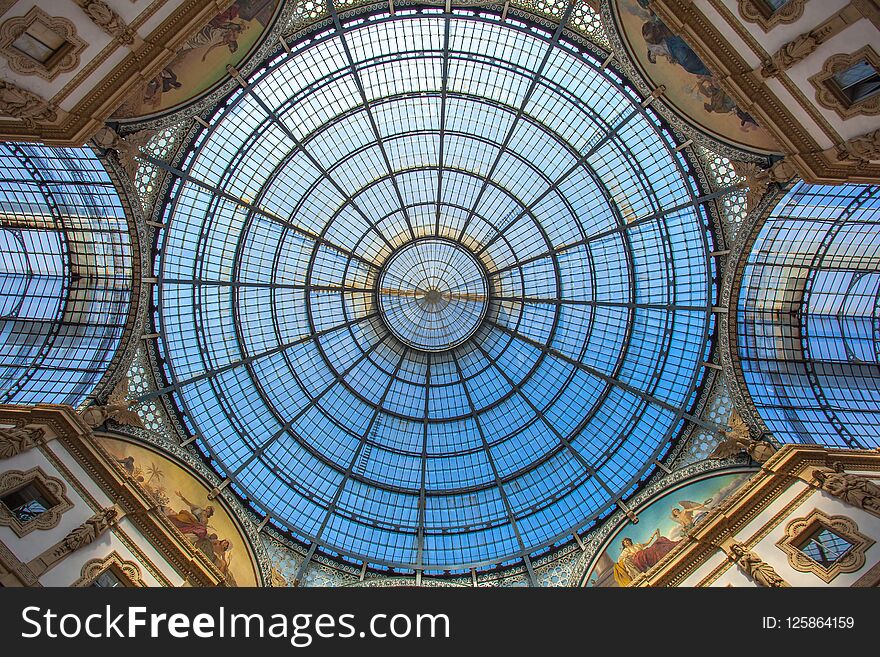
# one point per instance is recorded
(117, 408)
(794, 51)
(854, 489)
(107, 19)
(18, 439)
(861, 149)
(90, 530)
(127, 148)
(759, 180)
(756, 568)
(24, 105)
(738, 439)
(276, 578)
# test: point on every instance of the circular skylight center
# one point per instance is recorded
(433, 294)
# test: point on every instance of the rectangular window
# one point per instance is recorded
(27, 503)
(858, 82)
(108, 578)
(40, 42)
(825, 547)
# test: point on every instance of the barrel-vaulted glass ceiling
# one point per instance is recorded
(809, 317)
(434, 290)
(65, 273)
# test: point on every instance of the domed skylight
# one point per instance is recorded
(434, 290)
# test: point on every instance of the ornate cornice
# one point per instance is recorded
(750, 91)
(791, 464)
(75, 127)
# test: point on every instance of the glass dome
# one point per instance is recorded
(434, 290)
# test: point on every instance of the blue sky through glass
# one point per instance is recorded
(538, 162)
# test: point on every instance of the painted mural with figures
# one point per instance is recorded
(663, 522)
(665, 58)
(201, 62)
(184, 501)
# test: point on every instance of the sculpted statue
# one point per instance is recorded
(16, 440)
(90, 530)
(854, 489)
(756, 568)
(127, 148)
(107, 19)
(117, 408)
(861, 149)
(792, 52)
(759, 180)
(22, 104)
(738, 439)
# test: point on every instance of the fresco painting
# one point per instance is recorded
(636, 548)
(184, 501)
(667, 59)
(201, 63)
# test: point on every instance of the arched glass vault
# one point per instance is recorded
(65, 273)
(809, 317)
(434, 290)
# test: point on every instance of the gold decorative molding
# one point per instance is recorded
(800, 529)
(54, 489)
(16, 440)
(127, 571)
(806, 44)
(791, 465)
(829, 97)
(27, 107)
(135, 504)
(814, 163)
(862, 149)
(757, 11)
(147, 57)
(66, 58)
(854, 489)
(88, 532)
(13, 572)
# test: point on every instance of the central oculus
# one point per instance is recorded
(433, 294)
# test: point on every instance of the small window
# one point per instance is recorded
(108, 579)
(41, 43)
(858, 82)
(825, 547)
(27, 503)
(770, 7)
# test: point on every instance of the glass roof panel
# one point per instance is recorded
(429, 308)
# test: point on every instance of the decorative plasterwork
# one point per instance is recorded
(54, 489)
(827, 94)
(758, 11)
(738, 78)
(800, 529)
(737, 519)
(67, 57)
(128, 571)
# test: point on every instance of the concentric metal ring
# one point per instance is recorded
(433, 294)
